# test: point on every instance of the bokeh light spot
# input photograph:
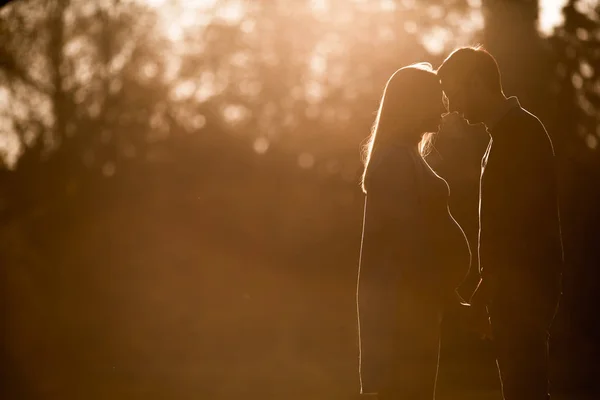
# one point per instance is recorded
(232, 12)
(240, 59)
(385, 33)
(410, 27)
(261, 145)
(318, 64)
(129, 150)
(314, 92)
(234, 113)
(435, 41)
(591, 141)
(388, 5)
(577, 81)
(175, 32)
(184, 90)
(94, 110)
(550, 16)
(149, 70)
(248, 26)
(319, 6)
(582, 34)
(115, 86)
(199, 121)
(109, 169)
(250, 88)
(586, 69)
(155, 3)
(306, 160)
(435, 12)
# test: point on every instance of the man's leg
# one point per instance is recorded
(521, 338)
(522, 358)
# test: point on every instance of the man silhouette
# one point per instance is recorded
(520, 245)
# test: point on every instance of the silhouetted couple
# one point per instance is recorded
(414, 254)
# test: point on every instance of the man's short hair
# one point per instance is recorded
(467, 61)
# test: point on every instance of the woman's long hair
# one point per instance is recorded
(404, 93)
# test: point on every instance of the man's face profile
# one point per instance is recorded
(462, 96)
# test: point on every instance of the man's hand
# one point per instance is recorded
(481, 323)
(484, 293)
(480, 299)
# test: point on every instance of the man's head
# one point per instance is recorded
(471, 82)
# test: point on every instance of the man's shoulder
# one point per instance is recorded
(520, 118)
(525, 127)
(531, 119)
(526, 132)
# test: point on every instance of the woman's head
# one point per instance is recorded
(410, 110)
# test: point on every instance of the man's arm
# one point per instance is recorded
(511, 195)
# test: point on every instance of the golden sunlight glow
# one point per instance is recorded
(326, 32)
(184, 3)
(318, 64)
(178, 15)
(175, 32)
(388, 5)
(233, 12)
(550, 15)
(435, 41)
(323, 66)
(154, 3)
(319, 6)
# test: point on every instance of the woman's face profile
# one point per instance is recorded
(414, 103)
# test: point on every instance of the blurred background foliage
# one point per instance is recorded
(179, 186)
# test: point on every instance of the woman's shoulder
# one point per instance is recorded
(398, 157)
(392, 166)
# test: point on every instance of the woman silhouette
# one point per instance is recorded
(413, 253)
